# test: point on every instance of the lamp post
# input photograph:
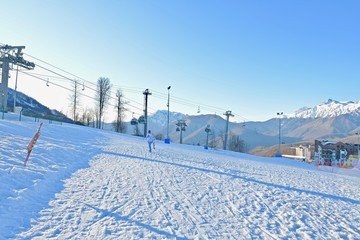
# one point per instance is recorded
(167, 140)
(358, 137)
(279, 114)
(146, 93)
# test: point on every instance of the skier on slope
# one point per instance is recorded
(150, 139)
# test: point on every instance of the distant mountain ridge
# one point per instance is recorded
(32, 107)
(158, 117)
(331, 108)
(329, 120)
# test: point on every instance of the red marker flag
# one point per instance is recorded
(32, 143)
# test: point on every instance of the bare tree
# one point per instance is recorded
(212, 143)
(236, 144)
(87, 117)
(102, 97)
(137, 130)
(221, 139)
(119, 124)
(75, 100)
(159, 136)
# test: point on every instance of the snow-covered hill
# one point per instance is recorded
(84, 183)
(31, 107)
(331, 108)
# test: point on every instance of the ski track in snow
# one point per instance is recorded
(129, 193)
(102, 185)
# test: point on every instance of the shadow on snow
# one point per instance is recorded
(324, 195)
(118, 217)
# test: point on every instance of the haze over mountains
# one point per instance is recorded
(328, 120)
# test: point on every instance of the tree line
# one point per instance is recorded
(102, 97)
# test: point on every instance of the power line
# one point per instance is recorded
(159, 95)
(66, 88)
(59, 69)
(72, 80)
(174, 98)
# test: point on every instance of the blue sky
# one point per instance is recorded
(255, 58)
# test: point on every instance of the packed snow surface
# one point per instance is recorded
(84, 183)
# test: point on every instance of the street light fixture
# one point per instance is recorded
(279, 150)
(167, 140)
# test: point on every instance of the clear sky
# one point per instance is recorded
(255, 58)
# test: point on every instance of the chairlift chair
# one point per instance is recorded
(134, 121)
(141, 120)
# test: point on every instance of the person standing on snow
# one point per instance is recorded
(150, 139)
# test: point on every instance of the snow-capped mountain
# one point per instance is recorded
(331, 108)
(158, 117)
(329, 120)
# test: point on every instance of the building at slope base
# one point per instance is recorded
(336, 154)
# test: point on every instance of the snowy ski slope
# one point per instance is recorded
(83, 183)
